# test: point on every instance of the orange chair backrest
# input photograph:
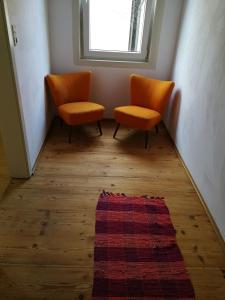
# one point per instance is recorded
(73, 87)
(150, 93)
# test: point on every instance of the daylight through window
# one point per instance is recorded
(116, 29)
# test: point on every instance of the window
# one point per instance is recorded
(116, 30)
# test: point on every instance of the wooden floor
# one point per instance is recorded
(47, 222)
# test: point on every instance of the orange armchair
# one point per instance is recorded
(71, 95)
(148, 101)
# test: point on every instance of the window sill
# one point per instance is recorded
(114, 63)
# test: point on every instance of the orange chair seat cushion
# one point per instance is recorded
(80, 112)
(137, 117)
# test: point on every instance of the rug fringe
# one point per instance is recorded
(105, 193)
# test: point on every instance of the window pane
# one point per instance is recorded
(140, 24)
(109, 26)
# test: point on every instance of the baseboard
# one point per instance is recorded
(208, 213)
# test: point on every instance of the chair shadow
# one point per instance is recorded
(173, 114)
(133, 142)
(86, 135)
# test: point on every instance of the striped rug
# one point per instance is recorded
(136, 255)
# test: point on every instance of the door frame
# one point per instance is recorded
(11, 118)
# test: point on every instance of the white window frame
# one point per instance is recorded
(141, 56)
(122, 61)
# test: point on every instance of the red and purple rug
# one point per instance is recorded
(136, 255)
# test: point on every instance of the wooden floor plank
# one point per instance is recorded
(47, 222)
(38, 282)
(211, 286)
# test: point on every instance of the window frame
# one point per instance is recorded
(154, 37)
(141, 56)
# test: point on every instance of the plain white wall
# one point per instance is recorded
(32, 63)
(196, 116)
(110, 84)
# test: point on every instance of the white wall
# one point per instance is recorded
(32, 63)
(110, 85)
(196, 117)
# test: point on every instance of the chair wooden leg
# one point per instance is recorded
(156, 129)
(61, 123)
(117, 128)
(70, 134)
(99, 127)
(146, 138)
